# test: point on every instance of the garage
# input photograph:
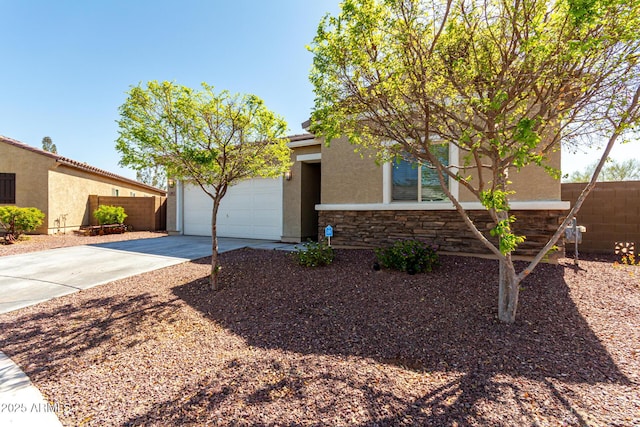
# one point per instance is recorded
(251, 209)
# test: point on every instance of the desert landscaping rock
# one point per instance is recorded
(37, 243)
(340, 345)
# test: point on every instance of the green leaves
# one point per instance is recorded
(508, 241)
(497, 200)
(106, 214)
(215, 139)
(16, 221)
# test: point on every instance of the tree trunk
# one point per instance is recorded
(508, 290)
(215, 268)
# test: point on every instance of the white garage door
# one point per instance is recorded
(251, 209)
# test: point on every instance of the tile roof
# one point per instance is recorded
(76, 164)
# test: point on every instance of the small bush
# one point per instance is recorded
(314, 254)
(411, 256)
(109, 214)
(16, 221)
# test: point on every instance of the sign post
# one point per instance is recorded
(328, 233)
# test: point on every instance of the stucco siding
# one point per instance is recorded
(292, 196)
(172, 209)
(349, 177)
(31, 177)
(69, 191)
(531, 183)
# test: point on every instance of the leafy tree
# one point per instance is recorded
(213, 140)
(625, 170)
(48, 145)
(154, 176)
(505, 81)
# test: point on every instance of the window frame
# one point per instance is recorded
(387, 177)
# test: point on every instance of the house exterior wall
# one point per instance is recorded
(293, 215)
(356, 203)
(354, 199)
(534, 183)
(611, 213)
(31, 171)
(445, 229)
(530, 183)
(349, 177)
(69, 191)
(172, 208)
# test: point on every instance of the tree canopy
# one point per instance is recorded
(211, 139)
(504, 81)
(48, 145)
(153, 176)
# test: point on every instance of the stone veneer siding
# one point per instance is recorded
(446, 229)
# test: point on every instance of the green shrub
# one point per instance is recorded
(314, 254)
(16, 221)
(109, 214)
(411, 256)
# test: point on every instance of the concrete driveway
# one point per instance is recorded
(39, 276)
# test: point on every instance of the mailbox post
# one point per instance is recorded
(573, 234)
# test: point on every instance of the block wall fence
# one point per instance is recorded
(144, 213)
(611, 213)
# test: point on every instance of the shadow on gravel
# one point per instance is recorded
(439, 322)
(96, 327)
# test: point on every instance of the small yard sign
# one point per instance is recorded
(328, 233)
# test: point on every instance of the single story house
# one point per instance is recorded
(58, 186)
(368, 205)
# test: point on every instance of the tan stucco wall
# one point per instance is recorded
(530, 183)
(349, 177)
(292, 196)
(69, 191)
(534, 183)
(172, 209)
(31, 171)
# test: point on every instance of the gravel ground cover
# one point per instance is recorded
(282, 345)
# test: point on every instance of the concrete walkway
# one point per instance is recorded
(35, 277)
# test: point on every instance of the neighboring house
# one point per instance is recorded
(366, 204)
(58, 186)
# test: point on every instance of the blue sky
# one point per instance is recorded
(66, 65)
